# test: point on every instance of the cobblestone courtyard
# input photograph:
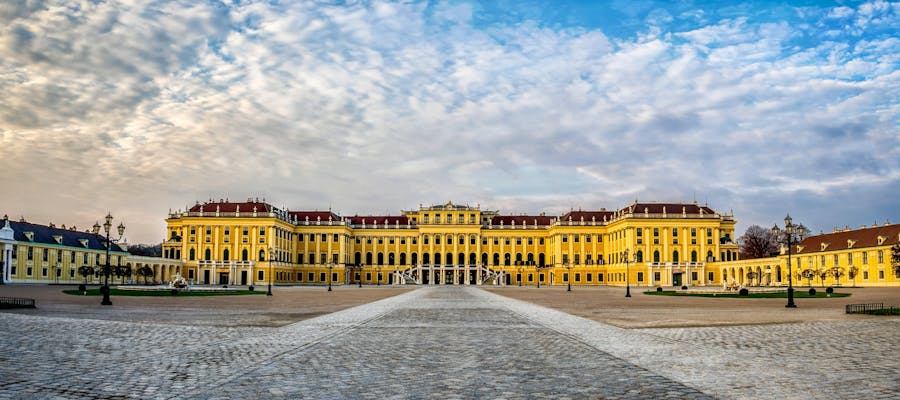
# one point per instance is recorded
(445, 342)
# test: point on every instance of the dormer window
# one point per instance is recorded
(824, 246)
(29, 236)
(84, 242)
(881, 240)
(850, 243)
(800, 248)
(58, 239)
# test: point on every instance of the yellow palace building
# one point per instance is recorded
(646, 244)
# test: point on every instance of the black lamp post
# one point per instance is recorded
(520, 275)
(537, 273)
(789, 236)
(568, 274)
(107, 269)
(330, 266)
(271, 260)
(627, 275)
(360, 275)
(379, 275)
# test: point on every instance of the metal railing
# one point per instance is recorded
(870, 308)
(15, 302)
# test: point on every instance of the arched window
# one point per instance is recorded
(518, 258)
(541, 259)
(414, 259)
(402, 258)
(709, 256)
(426, 258)
(380, 258)
(473, 259)
(207, 255)
(192, 255)
(496, 259)
(449, 258)
(357, 258)
(484, 258)
(530, 258)
(694, 256)
(369, 258)
(639, 256)
(390, 258)
(437, 258)
(656, 256)
(461, 258)
(262, 255)
(506, 259)
(225, 255)
(675, 256)
(244, 255)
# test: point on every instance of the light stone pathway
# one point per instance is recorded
(444, 342)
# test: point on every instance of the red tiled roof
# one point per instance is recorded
(576, 216)
(671, 208)
(230, 207)
(519, 219)
(864, 237)
(313, 215)
(378, 219)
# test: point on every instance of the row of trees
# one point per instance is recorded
(120, 272)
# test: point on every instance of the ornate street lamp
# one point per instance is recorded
(627, 274)
(520, 275)
(360, 273)
(379, 275)
(107, 224)
(330, 266)
(271, 260)
(568, 267)
(789, 236)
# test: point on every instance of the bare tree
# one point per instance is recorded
(837, 273)
(852, 272)
(895, 258)
(757, 242)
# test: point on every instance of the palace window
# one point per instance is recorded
(577, 238)
(565, 238)
(391, 240)
(380, 240)
(541, 241)
(865, 257)
(640, 276)
(518, 241)
(506, 241)
(324, 237)
(437, 218)
(880, 256)
(437, 239)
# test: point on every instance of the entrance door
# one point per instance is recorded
(676, 279)
(243, 277)
(223, 278)
(206, 276)
(390, 279)
(508, 278)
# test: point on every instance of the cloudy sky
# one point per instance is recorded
(138, 107)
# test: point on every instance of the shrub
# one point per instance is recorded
(658, 289)
(684, 287)
(82, 287)
(250, 288)
(829, 290)
(174, 292)
(744, 292)
(812, 291)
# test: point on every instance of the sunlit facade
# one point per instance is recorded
(247, 243)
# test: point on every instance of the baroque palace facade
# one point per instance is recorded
(252, 242)
(246, 243)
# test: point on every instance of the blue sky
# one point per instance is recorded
(138, 107)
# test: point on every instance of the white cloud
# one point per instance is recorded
(381, 106)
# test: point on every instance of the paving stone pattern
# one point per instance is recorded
(443, 342)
